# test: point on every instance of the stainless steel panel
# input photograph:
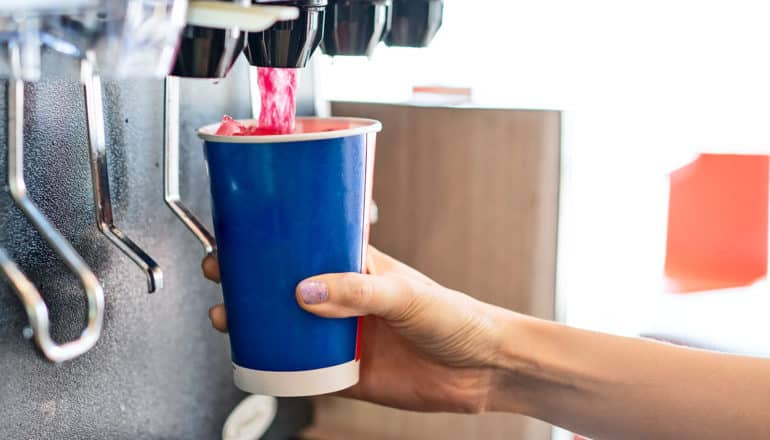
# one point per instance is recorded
(159, 371)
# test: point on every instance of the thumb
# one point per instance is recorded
(353, 294)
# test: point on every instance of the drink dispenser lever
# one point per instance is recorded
(171, 167)
(210, 44)
(36, 308)
(101, 180)
(132, 38)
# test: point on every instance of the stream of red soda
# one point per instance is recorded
(278, 89)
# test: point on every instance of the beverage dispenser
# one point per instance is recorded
(118, 38)
(93, 88)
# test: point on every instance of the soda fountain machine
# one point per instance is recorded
(97, 113)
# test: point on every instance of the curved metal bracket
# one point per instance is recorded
(101, 181)
(36, 308)
(171, 167)
(37, 313)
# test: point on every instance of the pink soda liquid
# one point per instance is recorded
(278, 89)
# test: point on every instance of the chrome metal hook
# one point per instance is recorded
(37, 313)
(171, 167)
(36, 308)
(101, 181)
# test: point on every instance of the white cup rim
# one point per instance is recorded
(359, 126)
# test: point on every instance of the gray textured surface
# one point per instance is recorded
(158, 371)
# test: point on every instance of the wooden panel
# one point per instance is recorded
(470, 197)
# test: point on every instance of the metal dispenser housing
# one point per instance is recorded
(63, 197)
(158, 370)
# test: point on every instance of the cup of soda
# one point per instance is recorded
(287, 207)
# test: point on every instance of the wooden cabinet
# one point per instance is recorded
(470, 197)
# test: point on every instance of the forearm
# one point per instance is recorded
(613, 387)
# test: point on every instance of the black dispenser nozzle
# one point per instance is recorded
(288, 44)
(207, 52)
(355, 27)
(415, 22)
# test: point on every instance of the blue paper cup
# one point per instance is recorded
(287, 207)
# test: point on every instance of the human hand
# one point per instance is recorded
(424, 347)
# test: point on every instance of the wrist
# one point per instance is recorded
(516, 372)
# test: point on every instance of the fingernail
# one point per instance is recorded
(313, 292)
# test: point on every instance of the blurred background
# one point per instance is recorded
(644, 87)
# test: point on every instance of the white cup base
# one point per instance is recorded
(297, 383)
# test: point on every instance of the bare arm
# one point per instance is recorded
(429, 348)
(613, 387)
